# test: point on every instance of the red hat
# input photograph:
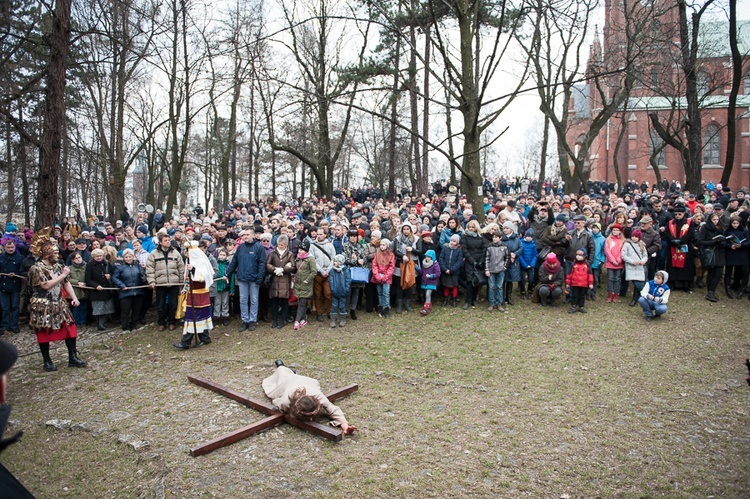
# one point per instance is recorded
(615, 226)
(551, 257)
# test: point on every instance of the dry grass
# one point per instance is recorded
(534, 402)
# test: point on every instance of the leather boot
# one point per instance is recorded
(699, 282)
(407, 304)
(711, 296)
(399, 306)
(387, 312)
(729, 292)
(101, 320)
(740, 293)
(353, 314)
(455, 302)
(508, 293)
(445, 301)
(73, 360)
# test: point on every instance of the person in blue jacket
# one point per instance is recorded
(340, 281)
(451, 260)
(11, 268)
(599, 257)
(527, 261)
(128, 276)
(249, 263)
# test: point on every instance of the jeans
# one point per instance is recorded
(221, 304)
(339, 305)
(651, 308)
(613, 280)
(384, 295)
(9, 304)
(249, 290)
(495, 288)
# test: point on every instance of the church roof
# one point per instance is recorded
(658, 103)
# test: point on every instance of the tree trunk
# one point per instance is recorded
(543, 157)
(732, 107)
(394, 117)
(424, 187)
(54, 115)
(11, 169)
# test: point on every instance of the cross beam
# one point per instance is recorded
(275, 417)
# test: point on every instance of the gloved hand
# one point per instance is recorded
(278, 271)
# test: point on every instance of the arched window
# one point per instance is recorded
(702, 83)
(711, 145)
(656, 146)
(747, 83)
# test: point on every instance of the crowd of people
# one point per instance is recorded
(333, 258)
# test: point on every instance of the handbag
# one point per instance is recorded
(708, 257)
(408, 275)
(360, 275)
(544, 252)
(478, 279)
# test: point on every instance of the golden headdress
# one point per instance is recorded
(40, 237)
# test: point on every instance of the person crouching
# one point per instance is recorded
(655, 296)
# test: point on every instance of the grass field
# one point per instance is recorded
(535, 402)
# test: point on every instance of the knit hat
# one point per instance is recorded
(455, 237)
(304, 245)
(11, 227)
(551, 257)
(560, 218)
(340, 259)
(583, 250)
(387, 243)
(636, 233)
(510, 225)
(143, 229)
(430, 254)
(425, 233)
(529, 233)
(597, 225)
(376, 234)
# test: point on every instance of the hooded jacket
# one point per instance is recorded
(660, 292)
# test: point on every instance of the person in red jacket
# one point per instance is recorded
(580, 280)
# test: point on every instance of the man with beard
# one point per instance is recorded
(680, 235)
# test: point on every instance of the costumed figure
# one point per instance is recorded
(199, 276)
(301, 398)
(680, 237)
(49, 314)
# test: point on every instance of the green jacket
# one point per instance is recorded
(306, 272)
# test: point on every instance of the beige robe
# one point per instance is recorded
(282, 383)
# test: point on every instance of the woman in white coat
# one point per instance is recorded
(301, 397)
(635, 256)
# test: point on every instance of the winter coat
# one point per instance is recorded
(249, 263)
(78, 275)
(599, 256)
(706, 239)
(382, 267)
(95, 277)
(11, 264)
(129, 275)
(513, 271)
(659, 292)
(323, 253)
(527, 258)
(399, 249)
(557, 280)
(353, 254)
(631, 253)
(554, 237)
(450, 259)
(613, 252)
(473, 247)
(577, 241)
(741, 255)
(340, 281)
(579, 276)
(445, 236)
(497, 258)
(652, 240)
(430, 275)
(166, 268)
(306, 271)
(221, 284)
(280, 285)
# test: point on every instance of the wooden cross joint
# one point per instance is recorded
(275, 417)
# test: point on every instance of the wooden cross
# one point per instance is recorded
(275, 417)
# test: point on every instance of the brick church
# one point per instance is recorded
(657, 89)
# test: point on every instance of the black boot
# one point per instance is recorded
(184, 342)
(508, 292)
(387, 312)
(729, 292)
(407, 304)
(353, 314)
(711, 296)
(48, 365)
(399, 306)
(101, 320)
(455, 302)
(445, 301)
(73, 360)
